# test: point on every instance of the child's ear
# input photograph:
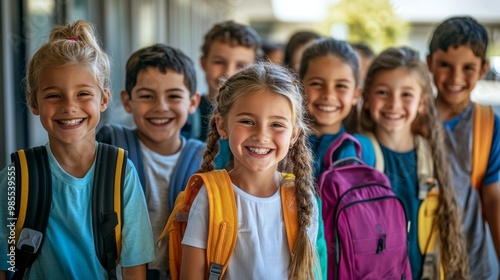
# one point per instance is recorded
(484, 69)
(295, 136)
(194, 102)
(423, 103)
(203, 63)
(34, 106)
(357, 94)
(105, 98)
(428, 58)
(221, 128)
(125, 101)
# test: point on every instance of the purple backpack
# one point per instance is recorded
(365, 223)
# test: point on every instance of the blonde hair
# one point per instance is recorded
(452, 246)
(257, 78)
(74, 43)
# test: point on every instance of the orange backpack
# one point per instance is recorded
(223, 220)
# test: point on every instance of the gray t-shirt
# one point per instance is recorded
(459, 143)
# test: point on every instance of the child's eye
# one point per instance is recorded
(381, 92)
(443, 64)
(241, 65)
(248, 122)
(175, 96)
(84, 93)
(469, 68)
(407, 94)
(342, 86)
(278, 125)
(145, 96)
(315, 84)
(51, 95)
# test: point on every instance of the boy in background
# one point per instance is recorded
(457, 60)
(227, 47)
(160, 93)
(366, 56)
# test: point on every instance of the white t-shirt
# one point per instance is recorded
(158, 171)
(261, 250)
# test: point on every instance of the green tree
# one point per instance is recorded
(373, 22)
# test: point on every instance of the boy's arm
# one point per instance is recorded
(2, 275)
(137, 272)
(491, 206)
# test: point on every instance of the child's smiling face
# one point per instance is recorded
(331, 92)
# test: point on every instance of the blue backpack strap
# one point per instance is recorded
(33, 197)
(126, 138)
(189, 162)
(107, 197)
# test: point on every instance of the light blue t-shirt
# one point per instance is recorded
(68, 250)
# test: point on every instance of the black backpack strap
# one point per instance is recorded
(33, 200)
(107, 215)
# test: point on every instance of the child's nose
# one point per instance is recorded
(456, 75)
(162, 105)
(394, 101)
(328, 93)
(261, 134)
(68, 106)
(230, 70)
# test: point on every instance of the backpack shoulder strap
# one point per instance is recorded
(107, 215)
(189, 162)
(484, 121)
(335, 145)
(428, 228)
(126, 138)
(222, 227)
(425, 161)
(34, 197)
(289, 206)
(379, 156)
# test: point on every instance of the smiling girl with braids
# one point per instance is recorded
(260, 111)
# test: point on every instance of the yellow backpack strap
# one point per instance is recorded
(379, 157)
(289, 206)
(484, 120)
(222, 228)
(428, 228)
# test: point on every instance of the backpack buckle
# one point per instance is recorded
(425, 186)
(215, 271)
(29, 240)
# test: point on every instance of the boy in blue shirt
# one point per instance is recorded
(160, 93)
(457, 60)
